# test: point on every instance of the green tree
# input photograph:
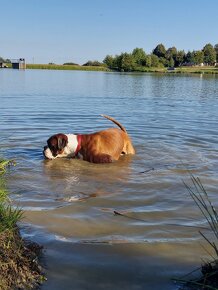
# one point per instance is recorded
(93, 63)
(209, 54)
(189, 57)
(126, 62)
(198, 56)
(109, 61)
(117, 62)
(139, 56)
(160, 50)
(171, 53)
(164, 61)
(148, 61)
(171, 62)
(180, 58)
(154, 60)
(216, 49)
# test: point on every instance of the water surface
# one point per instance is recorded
(69, 204)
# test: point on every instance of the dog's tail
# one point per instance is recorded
(115, 122)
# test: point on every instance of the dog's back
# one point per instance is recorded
(127, 147)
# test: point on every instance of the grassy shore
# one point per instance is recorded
(19, 268)
(182, 70)
(66, 67)
(197, 69)
(178, 70)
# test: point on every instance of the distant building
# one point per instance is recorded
(18, 63)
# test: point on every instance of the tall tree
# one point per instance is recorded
(154, 60)
(180, 58)
(139, 56)
(171, 53)
(189, 57)
(209, 54)
(164, 61)
(198, 56)
(127, 62)
(109, 61)
(148, 61)
(171, 62)
(216, 49)
(117, 62)
(160, 50)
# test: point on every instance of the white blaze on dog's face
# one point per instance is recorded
(61, 145)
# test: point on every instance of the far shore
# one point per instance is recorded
(182, 69)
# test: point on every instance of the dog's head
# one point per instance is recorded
(62, 145)
(56, 146)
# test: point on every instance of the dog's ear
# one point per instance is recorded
(62, 141)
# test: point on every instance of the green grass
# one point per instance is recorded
(66, 67)
(9, 215)
(3, 167)
(3, 191)
(151, 69)
(197, 69)
(182, 70)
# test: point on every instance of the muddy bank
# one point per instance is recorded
(19, 266)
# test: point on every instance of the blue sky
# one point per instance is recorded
(58, 31)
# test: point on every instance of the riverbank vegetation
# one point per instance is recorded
(179, 70)
(66, 67)
(19, 268)
(209, 269)
(160, 60)
(161, 57)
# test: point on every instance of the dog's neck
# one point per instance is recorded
(74, 143)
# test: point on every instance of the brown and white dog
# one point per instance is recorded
(100, 147)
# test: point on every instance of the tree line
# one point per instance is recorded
(162, 57)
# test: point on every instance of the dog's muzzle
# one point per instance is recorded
(47, 153)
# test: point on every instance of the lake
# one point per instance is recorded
(69, 204)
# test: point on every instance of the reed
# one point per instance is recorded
(3, 192)
(200, 196)
(9, 215)
(3, 165)
(209, 270)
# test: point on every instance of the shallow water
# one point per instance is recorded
(69, 204)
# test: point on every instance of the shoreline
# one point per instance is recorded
(19, 258)
(178, 70)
